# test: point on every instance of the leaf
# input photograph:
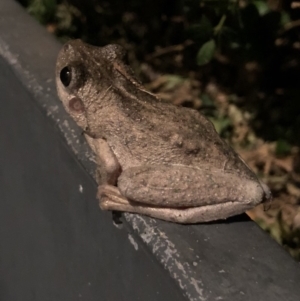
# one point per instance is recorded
(206, 52)
(285, 18)
(221, 124)
(206, 100)
(205, 24)
(43, 11)
(201, 31)
(173, 81)
(262, 7)
(220, 25)
(282, 148)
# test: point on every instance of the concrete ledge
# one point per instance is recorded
(55, 242)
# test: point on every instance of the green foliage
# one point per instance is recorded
(283, 148)
(248, 47)
(262, 7)
(206, 52)
(242, 28)
(173, 81)
(42, 10)
(286, 235)
(221, 124)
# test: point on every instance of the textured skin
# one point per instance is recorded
(153, 158)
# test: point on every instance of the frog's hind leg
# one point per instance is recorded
(183, 216)
(111, 199)
(179, 186)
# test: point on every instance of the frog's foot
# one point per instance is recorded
(107, 194)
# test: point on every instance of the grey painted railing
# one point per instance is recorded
(55, 243)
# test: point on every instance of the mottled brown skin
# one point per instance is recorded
(154, 158)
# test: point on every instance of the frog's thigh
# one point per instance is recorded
(182, 186)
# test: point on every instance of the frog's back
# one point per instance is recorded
(161, 133)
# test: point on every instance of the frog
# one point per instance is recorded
(153, 158)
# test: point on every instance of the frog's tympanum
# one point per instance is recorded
(153, 158)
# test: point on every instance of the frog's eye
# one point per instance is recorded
(66, 76)
(76, 105)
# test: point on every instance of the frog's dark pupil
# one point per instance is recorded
(66, 76)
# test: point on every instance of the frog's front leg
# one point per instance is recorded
(108, 171)
(184, 194)
(108, 167)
